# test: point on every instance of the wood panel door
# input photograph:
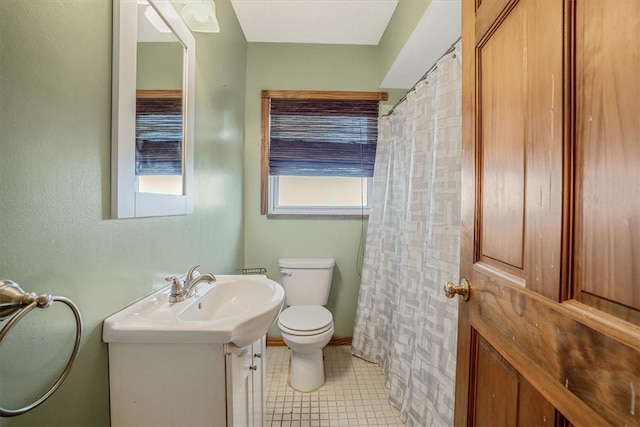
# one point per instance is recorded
(551, 214)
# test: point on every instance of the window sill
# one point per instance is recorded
(316, 215)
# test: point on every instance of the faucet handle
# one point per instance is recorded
(177, 291)
(191, 271)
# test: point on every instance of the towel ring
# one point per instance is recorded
(17, 303)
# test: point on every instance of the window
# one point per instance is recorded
(159, 130)
(318, 151)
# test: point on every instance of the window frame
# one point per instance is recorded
(315, 211)
(267, 185)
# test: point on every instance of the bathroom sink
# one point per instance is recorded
(235, 309)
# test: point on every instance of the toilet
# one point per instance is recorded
(306, 326)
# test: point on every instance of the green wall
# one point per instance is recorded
(405, 18)
(316, 67)
(304, 67)
(56, 233)
(159, 65)
(402, 23)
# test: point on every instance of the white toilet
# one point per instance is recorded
(306, 326)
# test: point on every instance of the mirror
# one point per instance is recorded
(153, 110)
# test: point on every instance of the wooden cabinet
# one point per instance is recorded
(551, 213)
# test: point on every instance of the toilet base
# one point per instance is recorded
(306, 371)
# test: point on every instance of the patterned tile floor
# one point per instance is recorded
(353, 394)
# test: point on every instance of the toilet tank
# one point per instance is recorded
(306, 281)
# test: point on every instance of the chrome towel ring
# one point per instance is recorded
(16, 303)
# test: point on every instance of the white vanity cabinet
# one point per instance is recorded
(245, 385)
(185, 384)
(173, 364)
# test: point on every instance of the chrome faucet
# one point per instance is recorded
(181, 291)
(192, 282)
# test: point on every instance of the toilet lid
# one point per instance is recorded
(306, 318)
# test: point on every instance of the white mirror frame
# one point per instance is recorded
(125, 201)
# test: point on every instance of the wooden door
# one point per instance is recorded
(551, 213)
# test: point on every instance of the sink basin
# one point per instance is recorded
(235, 309)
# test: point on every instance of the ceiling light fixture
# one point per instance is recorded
(200, 15)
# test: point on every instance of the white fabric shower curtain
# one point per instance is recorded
(403, 321)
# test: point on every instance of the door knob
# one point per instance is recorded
(463, 289)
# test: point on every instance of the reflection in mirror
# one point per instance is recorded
(159, 124)
(159, 141)
(152, 161)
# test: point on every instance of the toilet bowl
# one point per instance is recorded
(306, 326)
(306, 330)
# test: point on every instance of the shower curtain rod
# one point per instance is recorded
(424, 76)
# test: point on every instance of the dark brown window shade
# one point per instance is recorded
(159, 128)
(322, 137)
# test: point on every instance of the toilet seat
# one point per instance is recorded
(298, 333)
(305, 320)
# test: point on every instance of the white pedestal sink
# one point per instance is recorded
(233, 309)
(180, 364)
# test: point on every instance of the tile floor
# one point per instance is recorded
(353, 394)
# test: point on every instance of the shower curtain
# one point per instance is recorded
(403, 321)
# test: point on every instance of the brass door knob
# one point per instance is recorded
(463, 289)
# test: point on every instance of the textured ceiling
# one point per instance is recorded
(357, 22)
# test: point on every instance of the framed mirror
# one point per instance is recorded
(153, 110)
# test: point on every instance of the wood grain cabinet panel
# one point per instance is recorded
(520, 92)
(608, 146)
(502, 396)
(503, 124)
